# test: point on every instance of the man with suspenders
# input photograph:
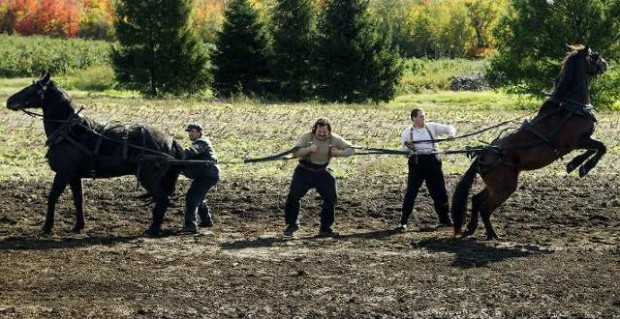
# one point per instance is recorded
(314, 150)
(424, 166)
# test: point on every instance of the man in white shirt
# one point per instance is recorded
(425, 166)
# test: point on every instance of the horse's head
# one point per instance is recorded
(593, 63)
(596, 64)
(580, 66)
(31, 96)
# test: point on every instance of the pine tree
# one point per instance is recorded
(355, 63)
(294, 34)
(241, 57)
(158, 53)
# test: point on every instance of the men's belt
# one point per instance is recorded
(312, 168)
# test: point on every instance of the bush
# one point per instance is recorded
(425, 74)
(469, 82)
(29, 56)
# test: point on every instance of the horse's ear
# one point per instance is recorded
(45, 77)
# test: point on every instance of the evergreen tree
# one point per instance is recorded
(294, 34)
(532, 37)
(355, 64)
(158, 53)
(241, 57)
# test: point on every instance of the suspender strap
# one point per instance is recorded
(428, 130)
(306, 160)
(411, 139)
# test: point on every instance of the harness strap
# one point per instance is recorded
(125, 138)
(530, 127)
(100, 132)
(78, 145)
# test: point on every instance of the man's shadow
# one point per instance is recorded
(470, 252)
(272, 241)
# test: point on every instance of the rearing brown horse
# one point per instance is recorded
(564, 123)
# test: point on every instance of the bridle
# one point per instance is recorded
(41, 93)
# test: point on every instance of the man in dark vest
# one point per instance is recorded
(314, 150)
(204, 176)
(424, 166)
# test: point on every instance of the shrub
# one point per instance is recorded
(28, 56)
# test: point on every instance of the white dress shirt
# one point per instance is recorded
(420, 134)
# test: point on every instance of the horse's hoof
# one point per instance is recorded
(583, 171)
(570, 167)
(46, 230)
(492, 236)
(76, 230)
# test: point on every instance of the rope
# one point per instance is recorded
(284, 155)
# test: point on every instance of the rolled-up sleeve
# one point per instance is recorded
(443, 129)
(345, 147)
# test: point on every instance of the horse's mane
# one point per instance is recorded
(112, 130)
(566, 68)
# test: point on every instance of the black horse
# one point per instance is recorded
(564, 123)
(80, 147)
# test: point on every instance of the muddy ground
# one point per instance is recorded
(559, 256)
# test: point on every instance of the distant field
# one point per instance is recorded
(247, 128)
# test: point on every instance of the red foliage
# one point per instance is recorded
(54, 17)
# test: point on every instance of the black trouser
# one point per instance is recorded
(195, 201)
(427, 168)
(304, 180)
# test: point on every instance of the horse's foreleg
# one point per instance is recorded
(76, 189)
(600, 149)
(476, 202)
(58, 186)
(575, 162)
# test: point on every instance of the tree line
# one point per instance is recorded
(333, 55)
(420, 28)
(335, 50)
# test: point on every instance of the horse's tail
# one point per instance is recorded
(169, 180)
(461, 194)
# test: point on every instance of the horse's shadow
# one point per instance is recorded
(272, 241)
(469, 253)
(45, 243)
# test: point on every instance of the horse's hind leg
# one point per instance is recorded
(600, 149)
(58, 186)
(76, 190)
(152, 184)
(476, 202)
(575, 162)
(500, 187)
